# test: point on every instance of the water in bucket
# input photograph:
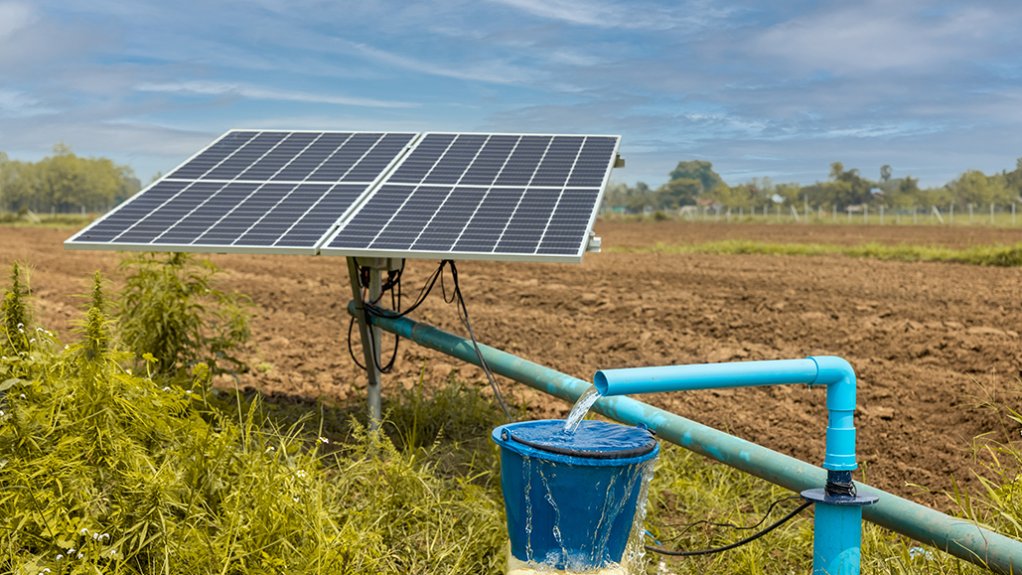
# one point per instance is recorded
(546, 474)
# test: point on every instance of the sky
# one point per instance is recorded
(760, 89)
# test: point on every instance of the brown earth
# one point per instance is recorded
(934, 345)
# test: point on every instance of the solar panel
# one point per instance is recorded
(484, 196)
(251, 191)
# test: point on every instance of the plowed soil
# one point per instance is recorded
(935, 346)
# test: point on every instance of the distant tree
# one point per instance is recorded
(689, 181)
(1013, 179)
(700, 170)
(975, 187)
(65, 182)
(679, 192)
(885, 173)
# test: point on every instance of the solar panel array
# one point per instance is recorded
(260, 191)
(484, 196)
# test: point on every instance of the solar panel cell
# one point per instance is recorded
(490, 160)
(524, 161)
(311, 158)
(213, 155)
(422, 159)
(254, 150)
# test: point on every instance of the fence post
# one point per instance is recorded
(991, 214)
(865, 213)
(881, 214)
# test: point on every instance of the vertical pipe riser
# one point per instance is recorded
(838, 539)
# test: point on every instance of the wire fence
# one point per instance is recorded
(971, 214)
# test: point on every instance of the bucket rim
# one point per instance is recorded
(509, 442)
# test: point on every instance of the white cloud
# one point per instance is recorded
(15, 104)
(14, 16)
(259, 93)
(603, 14)
(494, 72)
(880, 36)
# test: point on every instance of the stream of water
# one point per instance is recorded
(580, 409)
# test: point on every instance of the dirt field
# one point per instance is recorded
(932, 344)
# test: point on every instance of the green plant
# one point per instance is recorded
(103, 470)
(95, 329)
(170, 308)
(14, 313)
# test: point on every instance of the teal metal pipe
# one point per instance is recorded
(961, 538)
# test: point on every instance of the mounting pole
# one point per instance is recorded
(369, 335)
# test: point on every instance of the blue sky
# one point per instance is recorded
(761, 89)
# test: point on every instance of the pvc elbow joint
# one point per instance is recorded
(839, 377)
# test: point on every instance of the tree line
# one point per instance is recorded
(695, 183)
(64, 183)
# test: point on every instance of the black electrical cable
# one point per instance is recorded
(372, 309)
(463, 314)
(392, 285)
(749, 539)
(766, 515)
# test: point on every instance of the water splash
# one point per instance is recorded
(635, 552)
(527, 476)
(580, 409)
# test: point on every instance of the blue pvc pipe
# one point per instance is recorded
(960, 537)
(838, 528)
(833, 372)
(838, 541)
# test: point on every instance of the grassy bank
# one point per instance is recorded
(1001, 256)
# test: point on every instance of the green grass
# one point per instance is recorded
(1001, 256)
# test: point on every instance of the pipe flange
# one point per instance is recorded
(820, 495)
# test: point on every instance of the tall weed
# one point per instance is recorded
(170, 308)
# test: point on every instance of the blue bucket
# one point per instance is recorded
(571, 499)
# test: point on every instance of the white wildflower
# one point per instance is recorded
(104, 536)
(60, 557)
(300, 473)
(20, 325)
(165, 388)
(79, 556)
(31, 340)
(270, 449)
(21, 396)
(83, 531)
(324, 440)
